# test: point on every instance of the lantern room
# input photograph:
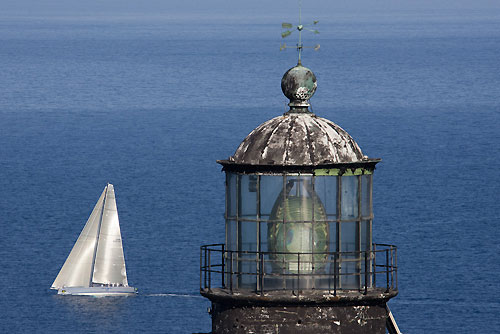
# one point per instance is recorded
(298, 226)
(298, 189)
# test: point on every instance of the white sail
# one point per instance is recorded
(109, 265)
(76, 271)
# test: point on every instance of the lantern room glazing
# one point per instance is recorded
(315, 214)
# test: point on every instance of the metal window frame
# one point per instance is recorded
(338, 221)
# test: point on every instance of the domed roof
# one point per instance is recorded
(297, 139)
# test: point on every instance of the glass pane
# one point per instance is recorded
(297, 238)
(271, 186)
(333, 237)
(302, 204)
(264, 227)
(333, 270)
(321, 244)
(350, 270)
(247, 241)
(350, 265)
(276, 267)
(247, 236)
(231, 194)
(247, 268)
(366, 195)
(231, 266)
(273, 264)
(329, 268)
(326, 189)
(247, 200)
(349, 191)
(349, 237)
(231, 235)
(365, 246)
(365, 235)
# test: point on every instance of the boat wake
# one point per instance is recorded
(182, 295)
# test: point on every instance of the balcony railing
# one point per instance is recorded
(262, 272)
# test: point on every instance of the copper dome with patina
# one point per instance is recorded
(298, 137)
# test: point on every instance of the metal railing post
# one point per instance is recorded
(201, 266)
(209, 271)
(392, 270)
(374, 265)
(335, 275)
(298, 274)
(261, 273)
(387, 269)
(223, 273)
(358, 268)
(366, 273)
(329, 274)
(205, 269)
(396, 266)
(231, 272)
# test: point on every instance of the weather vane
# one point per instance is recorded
(299, 27)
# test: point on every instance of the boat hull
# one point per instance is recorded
(98, 291)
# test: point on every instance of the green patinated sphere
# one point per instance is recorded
(299, 84)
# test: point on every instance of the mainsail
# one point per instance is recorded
(109, 265)
(76, 270)
(97, 256)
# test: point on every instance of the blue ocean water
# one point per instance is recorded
(149, 104)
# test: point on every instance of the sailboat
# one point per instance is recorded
(96, 265)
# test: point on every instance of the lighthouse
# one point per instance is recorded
(298, 254)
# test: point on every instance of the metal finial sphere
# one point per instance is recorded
(299, 84)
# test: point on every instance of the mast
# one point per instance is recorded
(97, 238)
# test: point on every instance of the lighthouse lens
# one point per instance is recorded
(298, 226)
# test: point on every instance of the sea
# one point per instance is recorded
(150, 102)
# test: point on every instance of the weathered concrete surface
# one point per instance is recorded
(369, 319)
(310, 312)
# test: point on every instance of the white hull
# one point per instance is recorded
(98, 291)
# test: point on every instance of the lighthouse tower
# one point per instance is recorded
(298, 254)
